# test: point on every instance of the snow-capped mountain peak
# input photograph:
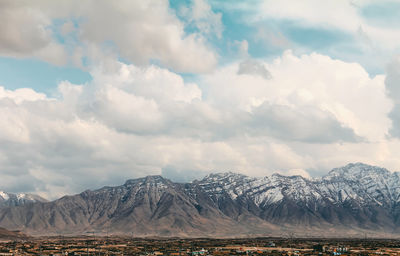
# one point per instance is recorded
(354, 197)
(3, 195)
(224, 176)
(356, 181)
(358, 170)
(10, 199)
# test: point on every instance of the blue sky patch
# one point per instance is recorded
(38, 75)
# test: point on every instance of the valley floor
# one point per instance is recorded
(91, 245)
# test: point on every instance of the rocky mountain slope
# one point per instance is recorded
(354, 198)
(348, 201)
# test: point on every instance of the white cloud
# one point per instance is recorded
(299, 172)
(203, 17)
(338, 16)
(146, 30)
(25, 32)
(343, 29)
(139, 31)
(20, 95)
(392, 82)
(299, 124)
(253, 67)
(314, 12)
(344, 90)
(23, 28)
(272, 37)
(133, 121)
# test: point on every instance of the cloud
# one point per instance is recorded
(305, 13)
(392, 82)
(139, 32)
(145, 31)
(308, 124)
(25, 32)
(363, 32)
(132, 121)
(21, 95)
(299, 172)
(177, 175)
(334, 86)
(272, 37)
(253, 67)
(243, 47)
(203, 18)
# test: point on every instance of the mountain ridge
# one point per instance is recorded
(11, 199)
(354, 199)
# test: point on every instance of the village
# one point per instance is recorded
(116, 245)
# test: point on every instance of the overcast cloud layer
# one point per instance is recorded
(166, 99)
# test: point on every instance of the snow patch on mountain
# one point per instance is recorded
(356, 182)
(10, 199)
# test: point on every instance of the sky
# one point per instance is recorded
(95, 92)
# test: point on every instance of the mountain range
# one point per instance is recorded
(350, 201)
(10, 199)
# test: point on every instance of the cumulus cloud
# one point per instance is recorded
(253, 67)
(144, 31)
(309, 80)
(392, 83)
(25, 32)
(138, 31)
(21, 95)
(133, 121)
(299, 172)
(305, 123)
(203, 17)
